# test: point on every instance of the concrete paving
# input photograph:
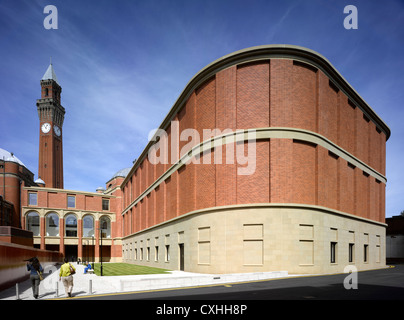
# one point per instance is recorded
(91, 284)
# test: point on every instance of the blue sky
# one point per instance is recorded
(122, 64)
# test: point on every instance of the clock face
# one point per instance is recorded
(57, 130)
(45, 127)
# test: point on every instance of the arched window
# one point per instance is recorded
(52, 225)
(71, 225)
(33, 223)
(88, 226)
(105, 225)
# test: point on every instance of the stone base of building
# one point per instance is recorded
(301, 239)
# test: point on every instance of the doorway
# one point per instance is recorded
(71, 252)
(181, 247)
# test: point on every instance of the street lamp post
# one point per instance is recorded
(100, 228)
(93, 250)
(101, 247)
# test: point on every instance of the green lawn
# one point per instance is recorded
(125, 269)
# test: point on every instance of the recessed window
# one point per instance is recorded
(71, 226)
(33, 223)
(365, 253)
(105, 204)
(71, 201)
(351, 252)
(333, 256)
(88, 226)
(167, 253)
(52, 225)
(105, 225)
(33, 199)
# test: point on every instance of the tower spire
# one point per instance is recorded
(50, 73)
(51, 115)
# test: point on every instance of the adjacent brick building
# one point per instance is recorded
(68, 221)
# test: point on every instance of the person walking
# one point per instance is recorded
(35, 268)
(66, 275)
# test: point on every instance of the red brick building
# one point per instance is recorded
(268, 160)
(315, 201)
(68, 221)
(14, 175)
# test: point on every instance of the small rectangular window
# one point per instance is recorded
(351, 252)
(333, 253)
(167, 253)
(365, 253)
(33, 199)
(105, 204)
(156, 253)
(71, 201)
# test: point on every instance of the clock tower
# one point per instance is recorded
(51, 115)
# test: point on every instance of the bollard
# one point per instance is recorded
(57, 289)
(17, 293)
(90, 286)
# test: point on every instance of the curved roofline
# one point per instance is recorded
(121, 173)
(265, 52)
(10, 157)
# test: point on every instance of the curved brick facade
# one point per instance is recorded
(319, 147)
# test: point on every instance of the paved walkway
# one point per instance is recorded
(90, 284)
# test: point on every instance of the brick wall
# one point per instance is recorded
(269, 93)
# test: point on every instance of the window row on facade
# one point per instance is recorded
(70, 202)
(348, 248)
(52, 222)
(356, 252)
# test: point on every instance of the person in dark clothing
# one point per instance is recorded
(35, 269)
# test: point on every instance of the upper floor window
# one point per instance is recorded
(105, 204)
(71, 201)
(32, 199)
